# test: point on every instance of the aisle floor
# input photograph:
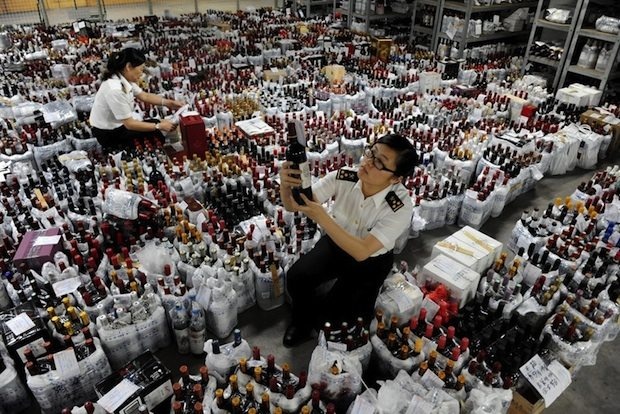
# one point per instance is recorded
(593, 389)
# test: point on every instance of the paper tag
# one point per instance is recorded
(20, 324)
(536, 174)
(531, 273)
(524, 241)
(46, 240)
(430, 380)
(187, 186)
(550, 381)
(191, 62)
(418, 405)
(158, 395)
(431, 308)
(118, 395)
(66, 363)
(336, 346)
(403, 301)
(64, 287)
(362, 406)
(253, 363)
(201, 218)
(182, 204)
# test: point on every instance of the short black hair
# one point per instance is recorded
(118, 60)
(407, 157)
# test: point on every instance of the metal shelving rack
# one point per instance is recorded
(590, 33)
(416, 28)
(308, 5)
(469, 8)
(367, 16)
(561, 31)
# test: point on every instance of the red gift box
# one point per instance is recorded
(194, 135)
(528, 111)
(38, 247)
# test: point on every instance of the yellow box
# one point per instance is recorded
(335, 73)
(382, 47)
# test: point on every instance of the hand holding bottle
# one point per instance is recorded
(166, 125)
(311, 208)
(289, 177)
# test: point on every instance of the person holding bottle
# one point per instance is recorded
(372, 208)
(111, 117)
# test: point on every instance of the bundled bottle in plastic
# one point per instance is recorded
(180, 325)
(196, 330)
(13, 395)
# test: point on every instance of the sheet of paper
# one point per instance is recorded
(20, 324)
(118, 395)
(550, 381)
(64, 287)
(46, 240)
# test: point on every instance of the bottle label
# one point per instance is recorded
(306, 177)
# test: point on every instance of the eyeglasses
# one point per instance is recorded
(371, 154)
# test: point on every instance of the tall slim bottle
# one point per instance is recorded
(296, 153)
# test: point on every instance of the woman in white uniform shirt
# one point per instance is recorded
(111, 116)
(371, 210)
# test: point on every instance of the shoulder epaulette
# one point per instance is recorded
(347, 175)
(394, 201)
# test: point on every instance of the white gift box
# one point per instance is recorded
(477, 239)
(463, 252)
(579, 95)
(461, 280)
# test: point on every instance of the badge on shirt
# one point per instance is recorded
(394, 201)
(347, 175)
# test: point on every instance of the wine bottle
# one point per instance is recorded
(296, 154)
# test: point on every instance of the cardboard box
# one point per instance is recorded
(38, 247)
(152, 378)
(482, 241)
(520, 405)
(335, 73)
(461, 280)
(193, 135)
(596, 118)
(579, 94)
(32, 338)
(382, 48)
(463, 252)
(273, 74)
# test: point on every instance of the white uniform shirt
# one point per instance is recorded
(385, 215)
(114, 102)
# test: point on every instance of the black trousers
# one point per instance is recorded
(119, 138)
(353, 294)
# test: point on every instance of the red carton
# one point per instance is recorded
(38, 247)
(194, 135)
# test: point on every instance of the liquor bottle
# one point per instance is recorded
(181, 325)
(296, 154)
